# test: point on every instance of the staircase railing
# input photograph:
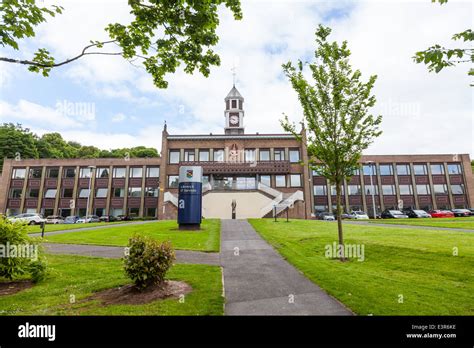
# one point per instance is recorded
(169, 197)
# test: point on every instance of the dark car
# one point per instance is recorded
(471, 210)
(393, 214)
(123, 218)
(415, 213)
(461, 212)
(107, 218)
(71, 219)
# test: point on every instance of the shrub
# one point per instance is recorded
(148, 261)
(14, 239)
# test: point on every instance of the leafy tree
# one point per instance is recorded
(88, 152)
(336, 113)
(438, 57)
(16, 142)
(52, 145)
(162, 35)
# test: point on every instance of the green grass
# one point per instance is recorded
(82, 276)
(60, 227)
(418, 264)
(465, 223)
(207, 239)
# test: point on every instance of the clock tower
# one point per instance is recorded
(234, 112)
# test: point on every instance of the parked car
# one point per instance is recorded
(29, 218)
(415, 213)
(461, 212)
(346, 216)
(326, 216)
(358, 214)
(471, 210)
(71, 219)
(441, 213)
(54, 219)
(107, 218)
(123, 218)
(88, 219)
(393, 214)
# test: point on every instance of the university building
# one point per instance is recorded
(262, 173)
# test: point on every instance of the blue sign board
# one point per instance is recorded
(190, 195)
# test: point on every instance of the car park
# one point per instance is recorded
(441, 213)
(107, 218)
(54, 219)
(326, 216)
(461, 212)
(416, 213)
(29, 218)
(71, 219)
(358, 214)
(393, 214)
(88, 219)
(123, 218)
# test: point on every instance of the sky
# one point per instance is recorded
(107, 102)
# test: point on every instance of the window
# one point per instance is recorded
(437, 169)
(441, 189)
(205, 179)
(265, 180)
(151, 192)
(203, 155)
(68, 192)
(420, 169)
(189, 155)
(174, 156)
(153, 172)
(102, 173)
(99, 212)
(388, 190)
(356, 172)
(15, 193)
(320, 208)
(150, 212)
(173, 181)
(85, 172)
(457, 189)
(35, 173)
(249, 155)
(69, 173)
(50, 193)
(354, 190)
(133, 212)
(386, 169)
(52, 173)
(264, 155)
(369, 169)
(119, 192)
(234, 103)
(405, 189)
(403, 169)
(295, 180)
(119, 172)
(319, 190)
(101, 193)
(19, 173)
(423, 189)
(136, 172)
(316, 170)
(32, 193)
(280, 180)
(370, 188)
(219, 155)
(333, 190)
(294, 155)
(84, 193)
(134, 191)
(116, 211)
(279, 154)
(454, 168)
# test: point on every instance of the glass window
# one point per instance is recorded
(279, 154)
(133, 212)
(173, 181)
(52, 173)
(136, 172)
(386, 169)
(102, 172)
(440, 189)
(19, 173)
(319, 190)
(116, 211)
(333, 190)
(457, 189)
(403, 169)
(69, 172)
(15, 193)
(189, 155)
(50, 193)
(249, 155)
(35, 173)
(295, 180)
(264, 155)
(119, 172)
(316, 170)
(32, 193)
(369, 188)
(356, 172)
(101, 193)
(420, 169)
(423, 189)
(294, 155)
(85, 172)
(203, 155)
(153, 172)
(68, 192)
(454, 168)
(388, 189)
(406, 189)
(369, 169)
(119, 192)
(150, 212)
(437, 169)
(84, 193)
(174, 156)
(205, 179)
(234, 103)
(134, 191)
(320, 208)
(354, 190)
(151, 192)
(219, 155)
(265, 180)
(280, 180)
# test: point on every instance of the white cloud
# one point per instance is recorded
(118, 117)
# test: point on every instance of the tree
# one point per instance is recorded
(88, 152)
(162, 35)
(438, 57)
(17, 142)
(336, 114)
(52, 145)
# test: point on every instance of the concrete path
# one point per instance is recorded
(182, 256)
(408, 226)
(258, 281)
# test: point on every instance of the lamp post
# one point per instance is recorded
(89, 194)
(372, 186)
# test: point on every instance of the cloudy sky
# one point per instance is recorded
(423, 112)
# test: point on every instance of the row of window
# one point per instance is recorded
(458, 189)
(249, 155)
(84, 193)
(405, 169)
(86, 172)
(64, 212)
(291, 180)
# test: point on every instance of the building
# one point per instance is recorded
(261, 173)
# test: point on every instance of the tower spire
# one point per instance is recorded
(233, 74)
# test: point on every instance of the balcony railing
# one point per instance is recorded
(256, 167)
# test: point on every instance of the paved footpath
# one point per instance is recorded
(258, 281)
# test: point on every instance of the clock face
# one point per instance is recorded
(234, 120)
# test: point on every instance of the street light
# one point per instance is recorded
(89, 194)
(372, 185)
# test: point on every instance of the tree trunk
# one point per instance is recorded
(339, 220)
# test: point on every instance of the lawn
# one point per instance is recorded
(60, 227)
(417, 264)
(81, 276)
(207, 239)
(465, 223)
